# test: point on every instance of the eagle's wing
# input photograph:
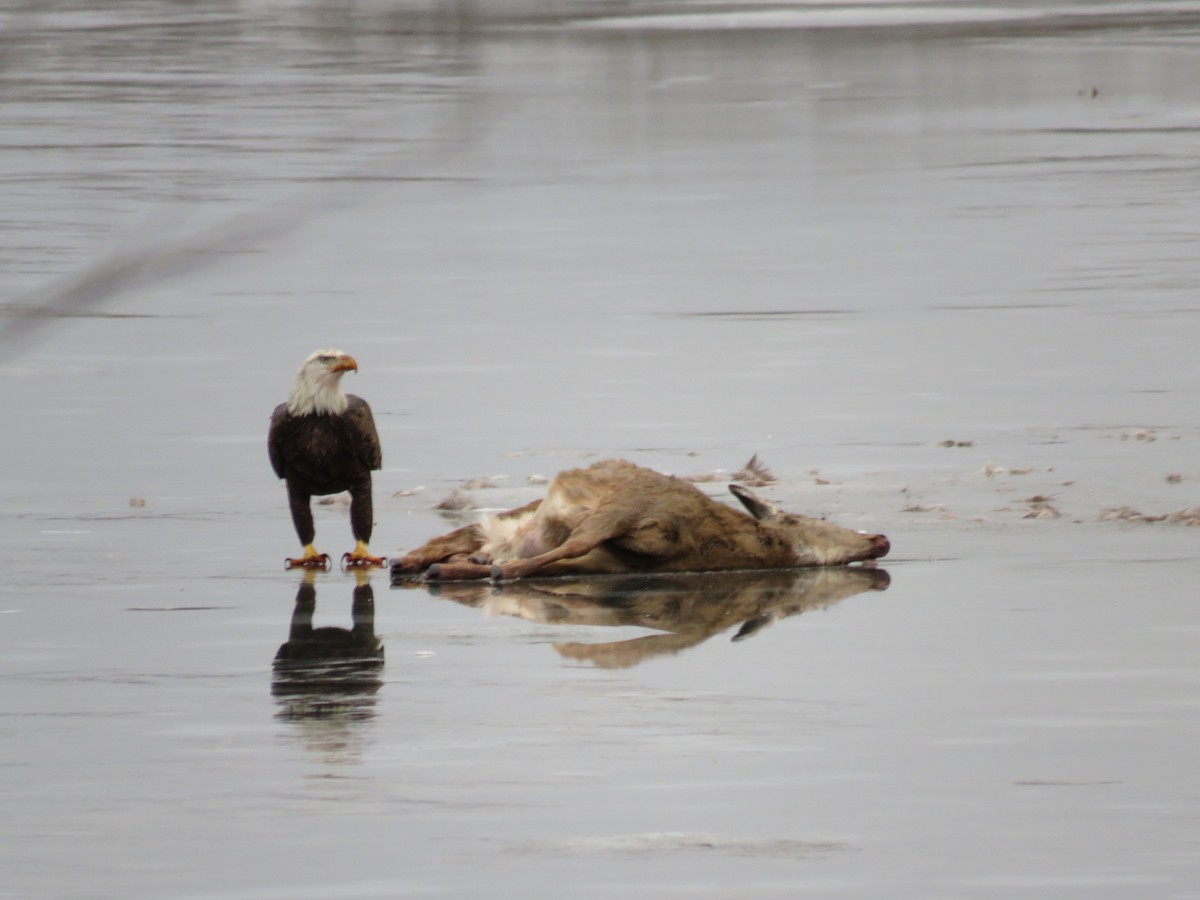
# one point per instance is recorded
(362, 429)
(275, 433)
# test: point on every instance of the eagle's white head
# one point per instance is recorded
(317, 388)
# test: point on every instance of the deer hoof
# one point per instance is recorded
(497, 573)
(434, 571)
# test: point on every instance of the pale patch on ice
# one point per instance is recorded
(865, 14)
(653, 843)
(847, 17)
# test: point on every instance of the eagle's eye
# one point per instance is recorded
(326, 359)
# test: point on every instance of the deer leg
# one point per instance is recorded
(455, 547)
(458, 571)
(458, 544)
(591, 533)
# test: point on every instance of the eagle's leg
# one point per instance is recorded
(298, 500)
(361, 522)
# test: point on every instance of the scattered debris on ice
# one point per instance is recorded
(753, 474)
(1189, 516)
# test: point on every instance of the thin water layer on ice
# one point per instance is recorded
(938, 275)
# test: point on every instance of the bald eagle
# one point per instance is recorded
(323, 441)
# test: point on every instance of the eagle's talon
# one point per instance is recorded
(354, 561)
(320, 561)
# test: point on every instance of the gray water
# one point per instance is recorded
(836, 236)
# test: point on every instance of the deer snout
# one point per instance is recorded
(880, 546)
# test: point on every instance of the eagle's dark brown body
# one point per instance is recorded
(326, 453)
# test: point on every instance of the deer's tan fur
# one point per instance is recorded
(617, 517)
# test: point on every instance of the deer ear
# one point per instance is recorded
(752, 626)
(754, 504)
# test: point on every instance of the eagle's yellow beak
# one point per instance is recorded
(346, 364)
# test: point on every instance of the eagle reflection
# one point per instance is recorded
(327, 678)
(687, 609)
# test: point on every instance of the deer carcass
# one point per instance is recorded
(616, 517)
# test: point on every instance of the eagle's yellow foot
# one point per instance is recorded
(360, 558)
(310, 560)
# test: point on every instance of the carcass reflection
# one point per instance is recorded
(687, 609)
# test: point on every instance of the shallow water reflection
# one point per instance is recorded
(325, 679)
(837, 248)
(688, 608)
